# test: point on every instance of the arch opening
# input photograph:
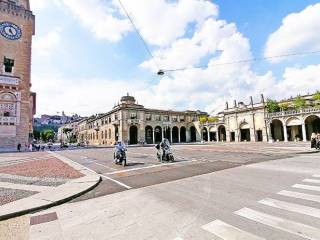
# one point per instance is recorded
(133, 135)
(183, 135)
(175, 135)
(277, 130)
(312, 125)
(149, 134)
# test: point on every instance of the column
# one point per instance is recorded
(153, 137)
(218, 137)
(285, 134)
(179, 140)
(304, 133)
(170, 135)
(269, 133)
(208, 133)
(162, 134)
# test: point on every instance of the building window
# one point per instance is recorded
(182, 119)
(115, 116)
(157, 118)
(148, 117)
(8, 65)
(166, 118)
(133, 115)
(174, 119)
(6, 114)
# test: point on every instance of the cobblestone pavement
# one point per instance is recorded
(25, 174)
(144, 170)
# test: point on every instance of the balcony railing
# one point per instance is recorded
(293, 112)
(133, 121)
(8, 120)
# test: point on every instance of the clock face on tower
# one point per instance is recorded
(10, 31)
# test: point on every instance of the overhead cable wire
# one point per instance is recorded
(240, 61)
(139, 34)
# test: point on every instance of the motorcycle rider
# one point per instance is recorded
(119, 150)
(163, 149)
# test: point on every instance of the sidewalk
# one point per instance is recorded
(38, 180)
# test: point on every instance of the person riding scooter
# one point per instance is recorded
(120, 156)
(164, 151)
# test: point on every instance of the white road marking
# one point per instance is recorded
(151, 166)
(25, 187)
(307, 187)
(292, 207)
(228, 232)
(116, 181)
(295, 228)
(311, 180)
(314, 198)
(101, 175)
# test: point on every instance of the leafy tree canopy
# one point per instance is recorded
(299, 102)
(272, 106)
(316, 96)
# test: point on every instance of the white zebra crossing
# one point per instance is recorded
(307, 187)
(311, 180)
(289, 226)
(292, 207)
(310, 197)
(226, 231)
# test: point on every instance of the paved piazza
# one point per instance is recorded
(191, 160)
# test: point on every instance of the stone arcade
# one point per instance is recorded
(132, 123)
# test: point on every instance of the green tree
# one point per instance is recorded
(272, 106)
(283, 106)
(316, 96)
(299, 102)
(47, 135)
(203, 119)
(36, 134)
(213, 119)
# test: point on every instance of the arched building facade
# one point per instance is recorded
(133, 123)
(252, 123)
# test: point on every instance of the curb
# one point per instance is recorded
(52, 197)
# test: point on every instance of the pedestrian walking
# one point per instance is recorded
(30, 147)
(318, 141)
(19, 147)
(313, 140)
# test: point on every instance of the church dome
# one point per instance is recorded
(128, 99)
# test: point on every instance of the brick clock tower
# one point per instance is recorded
(17, 102)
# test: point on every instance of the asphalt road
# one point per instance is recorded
(274, 200)
(191, 160)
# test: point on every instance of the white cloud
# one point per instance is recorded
(57, 94)
(98, 17)
(161, 22)
(297, 81)
(47, 44)
(218, 42)
(37, 5)
(298, 32)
